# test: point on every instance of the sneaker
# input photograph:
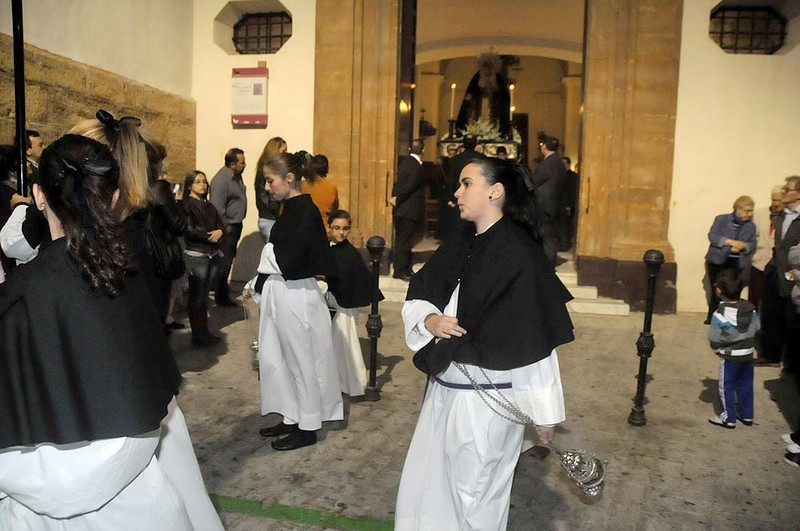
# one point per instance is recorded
(716, 421)
(793, 448)
(790, 438)
(746, 422)
(792, 459)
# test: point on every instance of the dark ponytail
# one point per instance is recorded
(519, 204)
(79, 176)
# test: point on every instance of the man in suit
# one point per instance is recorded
(408, 200)
(549, 184)
(781, 322)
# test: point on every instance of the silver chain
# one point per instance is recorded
(517, 416)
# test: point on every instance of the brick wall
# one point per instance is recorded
(59, 92)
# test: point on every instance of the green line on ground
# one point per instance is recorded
(298, 514)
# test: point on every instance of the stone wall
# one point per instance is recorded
(59, 92)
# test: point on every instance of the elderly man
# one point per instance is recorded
(781, 323)
(229, 197)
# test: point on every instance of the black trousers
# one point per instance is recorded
(549, 243)
(404, 230)
(227, 245)
(773, 318)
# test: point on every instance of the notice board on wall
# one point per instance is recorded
(249, 95)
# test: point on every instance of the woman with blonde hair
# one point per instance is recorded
(732, 240)
(268, 208)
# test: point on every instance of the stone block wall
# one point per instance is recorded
(59, 92)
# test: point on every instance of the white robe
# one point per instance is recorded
(299, 378)
(99, 485)
(175, 454)
(460, 464)
(347, 348)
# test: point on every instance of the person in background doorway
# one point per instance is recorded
(408, 209)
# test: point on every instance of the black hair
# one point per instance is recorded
(552, 143)
(232, 156)
(156, 153)
(79, 177)
(28, 134)
(417, 146)
(188, 181)
(319, 164)
(519, 205)
(730, 284)
(567, 159)
(340, 214)
(9, 158)
(298, 164)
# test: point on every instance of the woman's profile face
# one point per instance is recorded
(473, 193)
(277, 185)
(199, 186)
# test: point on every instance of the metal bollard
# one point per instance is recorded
(375, 246)
(653, 259)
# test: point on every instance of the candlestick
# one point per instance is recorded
(452, 99)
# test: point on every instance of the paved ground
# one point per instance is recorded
(677, 472)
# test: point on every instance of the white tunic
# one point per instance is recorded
(347, 348)
(100, 485)
(175, 454)
(460, 464)
(299, 378)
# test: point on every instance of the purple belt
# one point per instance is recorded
(470, 387)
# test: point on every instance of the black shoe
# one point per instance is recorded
(746, 422)
(175, 325)
(226, 302)
(402, 276)
(788, 458)
(295, 440)
(707, 321)
(277, 429)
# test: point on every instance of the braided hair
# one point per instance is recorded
(79, 177)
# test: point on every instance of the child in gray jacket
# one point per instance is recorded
(732, 336)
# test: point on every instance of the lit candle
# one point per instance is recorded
(452, 99)
(511, 90)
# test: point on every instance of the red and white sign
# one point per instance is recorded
(249, 94)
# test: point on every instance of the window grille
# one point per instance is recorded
(747, 29)
(260, 33)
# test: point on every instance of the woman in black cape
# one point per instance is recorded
(485, 315)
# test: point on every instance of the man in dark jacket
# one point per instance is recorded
(408, 200)
(549, 183)
(780, 317)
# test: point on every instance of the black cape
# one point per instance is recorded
(76, 365)
(511, 303)
(353, 283)
(301, 245)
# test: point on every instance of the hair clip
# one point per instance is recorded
(107, 119)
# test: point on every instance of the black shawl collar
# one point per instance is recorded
(76, 365)
(511, 303)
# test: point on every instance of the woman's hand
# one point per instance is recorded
(443, 326)
(215, 235)
(546, 433)
(736, 245)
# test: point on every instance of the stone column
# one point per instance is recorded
(356, 106)
(633, 53)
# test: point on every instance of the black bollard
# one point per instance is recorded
(653, 259)
(375, 246)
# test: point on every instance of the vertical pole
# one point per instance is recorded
(19, 96)
(375, 246)
(653, 259)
